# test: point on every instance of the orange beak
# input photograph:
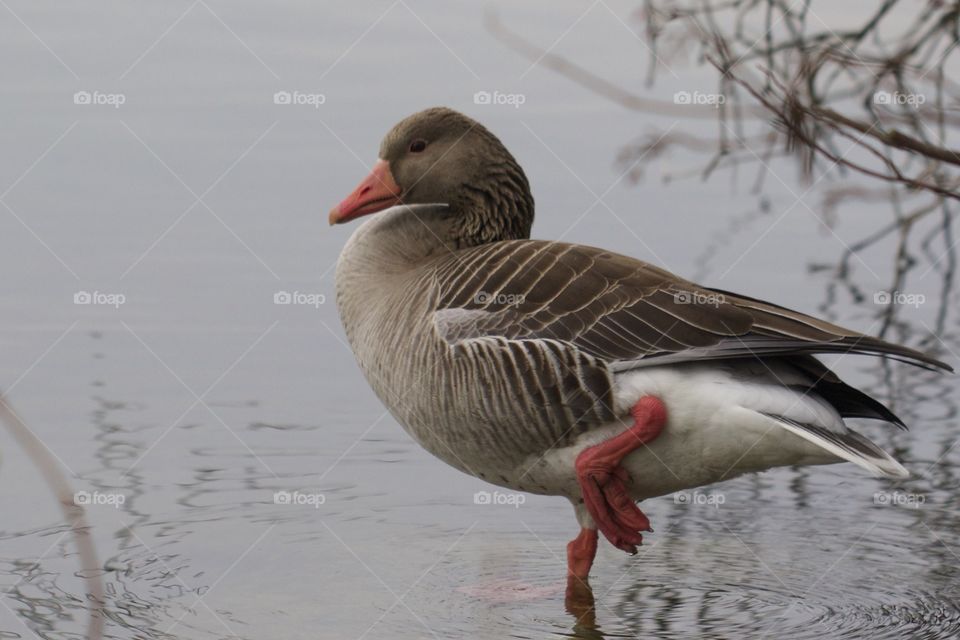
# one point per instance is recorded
(378, 191)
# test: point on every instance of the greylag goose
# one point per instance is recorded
(567, 370)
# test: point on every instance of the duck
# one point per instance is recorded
(568, 370)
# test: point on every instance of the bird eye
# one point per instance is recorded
(417, 146)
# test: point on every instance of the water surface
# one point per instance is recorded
(198, 399)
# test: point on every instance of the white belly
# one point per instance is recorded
(713, 432)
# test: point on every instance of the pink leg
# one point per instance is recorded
(580, 553)
(579, 597)
(603, 480)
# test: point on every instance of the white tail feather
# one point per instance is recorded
(850, 446)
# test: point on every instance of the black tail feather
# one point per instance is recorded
(849, 401)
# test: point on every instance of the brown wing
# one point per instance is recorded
(624, 311)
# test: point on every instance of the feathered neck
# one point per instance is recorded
(496, 204)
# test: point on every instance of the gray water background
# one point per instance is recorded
(198, 398)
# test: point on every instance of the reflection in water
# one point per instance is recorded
(936, 261)
(580, 603)
(62, 492)
(140, 583)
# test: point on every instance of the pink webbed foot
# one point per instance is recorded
(603, 481)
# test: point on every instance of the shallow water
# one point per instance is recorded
(198, 399)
